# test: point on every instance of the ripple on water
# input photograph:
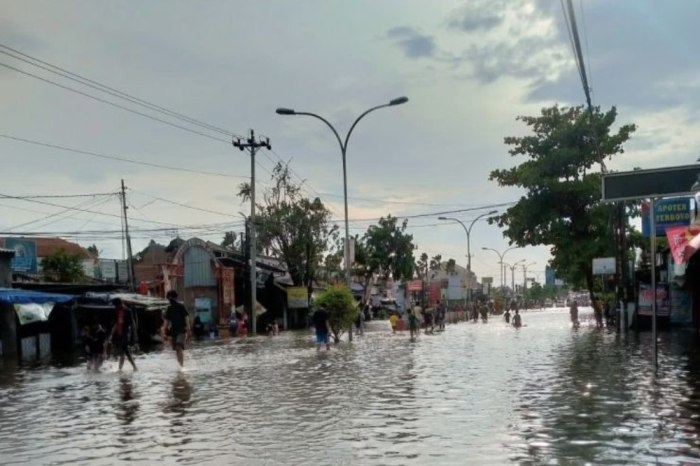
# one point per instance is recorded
(476, 394)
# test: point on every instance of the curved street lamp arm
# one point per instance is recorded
(467, 231)
(328, 123)
(477, 218)
(357, 120)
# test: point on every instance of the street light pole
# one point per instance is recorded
(343, 152)
(500, 257)
(468, 231)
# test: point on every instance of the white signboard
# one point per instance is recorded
(32, 312)
(604, 266)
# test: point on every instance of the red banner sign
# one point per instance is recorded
(227, 285)
(414, 285)
(683, 241)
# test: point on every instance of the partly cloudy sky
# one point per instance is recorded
(468, 67)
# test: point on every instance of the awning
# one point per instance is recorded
(17, 296)
(104, 300)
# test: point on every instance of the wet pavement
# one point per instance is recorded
(475, 394)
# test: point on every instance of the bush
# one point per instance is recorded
(341, 307)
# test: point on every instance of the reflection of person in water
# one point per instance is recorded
(182, 394)
(128, 406)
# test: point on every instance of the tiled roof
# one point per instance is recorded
(47, 246)
(7, 251)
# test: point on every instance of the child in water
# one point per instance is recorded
(94, 343)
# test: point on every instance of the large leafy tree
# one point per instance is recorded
(386, 250)
(63, 267)
(294, 228)
(561, 207)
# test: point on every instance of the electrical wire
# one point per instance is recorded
(120, 159)
(109, 90)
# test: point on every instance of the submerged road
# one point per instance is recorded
(475, 394)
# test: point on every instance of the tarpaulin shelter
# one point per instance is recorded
(26, 319)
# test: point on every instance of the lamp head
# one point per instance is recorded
(442, 218)
(398, 100)
(493, 212)
(285, 111)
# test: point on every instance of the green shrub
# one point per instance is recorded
(341, 307)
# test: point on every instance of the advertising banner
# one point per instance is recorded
(414, 285)
(25, 255)
(297, 297)
(28, 313)
(669, 212)
(227, 286)
(683, 242)
(455, 290)
(604, 266)
(663, 301)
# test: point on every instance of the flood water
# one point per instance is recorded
(476, 394)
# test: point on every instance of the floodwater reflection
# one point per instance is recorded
(476, 394)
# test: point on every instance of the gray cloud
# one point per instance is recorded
(412, 43)
(477, 15)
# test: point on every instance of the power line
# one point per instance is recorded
(64, 196)
(99, 99)
(432, 214)
(116, 93)
(180, 204)
(109, 90)
(120, 159)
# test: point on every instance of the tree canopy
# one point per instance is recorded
(63, 267)
(386, 250)
(295, 229)
(561, 207)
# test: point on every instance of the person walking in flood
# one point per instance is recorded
(123, 332)
(177, 320)
(517, 320)
(506, 316)
(573, 314)
(321, 321)
(412, 323)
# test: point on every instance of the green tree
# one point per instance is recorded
(435, 265)
(451, 266)
(341, 307)
(93, 250)
(562, 182)
(422, 265)
(385, 250)
(63, 267)
(295, 229)
(229, 240)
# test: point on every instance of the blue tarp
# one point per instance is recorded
(15, 296)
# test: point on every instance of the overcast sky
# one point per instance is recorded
(468, 67)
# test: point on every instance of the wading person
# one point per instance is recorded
(506, 316)
(123, 332)
(412, 323)
(178, 323)
(573, 313)
(322, 327)
(517, 321)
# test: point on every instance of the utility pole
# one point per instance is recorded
(130, 263)
(251, 145)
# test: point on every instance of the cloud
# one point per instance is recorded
(477, 15)
(517, 39)
(412, 43)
